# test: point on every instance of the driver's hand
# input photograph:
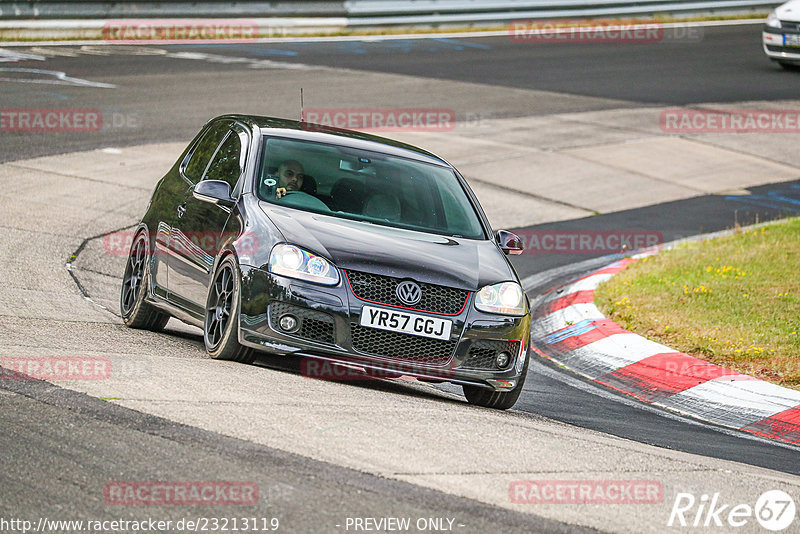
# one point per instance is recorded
(279, 192)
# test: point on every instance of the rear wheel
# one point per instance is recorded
(221, 325)
(136, 311)
(499, 400)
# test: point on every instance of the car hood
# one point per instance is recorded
(789, 11)
(455, 262)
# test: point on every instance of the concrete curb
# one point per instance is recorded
(569, 329)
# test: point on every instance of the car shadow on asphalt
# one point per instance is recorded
(349, 375)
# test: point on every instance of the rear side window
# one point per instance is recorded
(203, 151)
(227, 164)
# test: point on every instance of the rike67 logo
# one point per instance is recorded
(774, 510)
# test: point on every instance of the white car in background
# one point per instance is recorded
(781, 35)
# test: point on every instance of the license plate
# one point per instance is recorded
(407, 323)
(791, 39)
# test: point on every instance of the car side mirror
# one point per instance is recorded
(509, 242)
(214, 191)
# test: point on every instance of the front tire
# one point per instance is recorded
(498, 400)
(221, 325)
(135, 310)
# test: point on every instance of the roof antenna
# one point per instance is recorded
(302, 115)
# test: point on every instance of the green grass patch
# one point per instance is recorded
(733, 301)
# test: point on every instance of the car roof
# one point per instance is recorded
(307, 131)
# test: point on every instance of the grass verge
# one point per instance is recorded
(733, 301)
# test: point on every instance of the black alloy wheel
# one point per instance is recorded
(136, 311)
(221, 325)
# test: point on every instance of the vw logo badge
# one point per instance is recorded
(408, 292)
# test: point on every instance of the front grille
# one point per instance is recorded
(314, 325)
(788, 49)
(435, 299)
(403, 347)
(790, 26)
(482, 353)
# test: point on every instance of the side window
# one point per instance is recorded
(227, 163)
(198, 161)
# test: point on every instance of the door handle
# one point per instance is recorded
(181, 210)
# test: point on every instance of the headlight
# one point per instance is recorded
(294, 262)
(773, 21)
(506, 298)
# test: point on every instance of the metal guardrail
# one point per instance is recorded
(431, 7)
(437, 12)
(92, 9)
(92, 20)
(365, 12)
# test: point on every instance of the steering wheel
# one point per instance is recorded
(270, 184)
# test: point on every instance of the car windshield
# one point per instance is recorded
(366, 186)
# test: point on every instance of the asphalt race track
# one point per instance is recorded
(727, 65)
(164, 93)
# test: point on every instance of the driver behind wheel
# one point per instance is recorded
(290, 177)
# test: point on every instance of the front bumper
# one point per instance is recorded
(774, 42)
(328, 331)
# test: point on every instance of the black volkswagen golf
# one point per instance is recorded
(335, 246)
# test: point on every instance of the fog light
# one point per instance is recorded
(288, 323)
(502, 384)
(502, 360)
